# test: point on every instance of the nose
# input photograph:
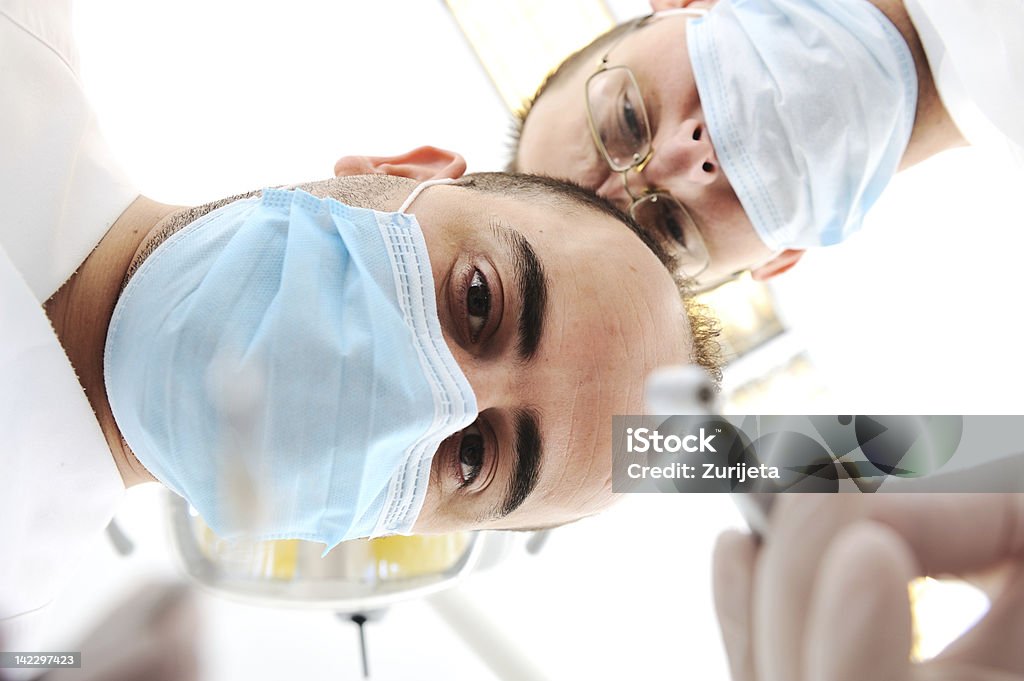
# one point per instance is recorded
(686, 155)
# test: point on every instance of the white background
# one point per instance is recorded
(201, 99)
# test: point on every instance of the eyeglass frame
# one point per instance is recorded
(639, 164)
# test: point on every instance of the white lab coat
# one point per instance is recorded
(976, 54)
(59, 193)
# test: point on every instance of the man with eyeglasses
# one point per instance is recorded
(742, 133)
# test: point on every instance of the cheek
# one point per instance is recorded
(722, 209)
(440, 274)
(735, 245)
(467, 363)
(429, 518)
(442, 251)
(441, 509)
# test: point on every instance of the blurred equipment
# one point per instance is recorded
(121, 542)
(687, 391)
(360, 619)
(684, 389)
(150, 636)
(358, 579)
(747, 311)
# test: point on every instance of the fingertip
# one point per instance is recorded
(734, 559)
(861, 590)
(733, 544)
(870, 546)
(733, 563)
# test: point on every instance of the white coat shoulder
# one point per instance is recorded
(976, 54)
(60, 192)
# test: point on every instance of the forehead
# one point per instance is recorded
(657, 41)
(557, 126)
(570, 238)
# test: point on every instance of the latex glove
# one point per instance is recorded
(824, 597)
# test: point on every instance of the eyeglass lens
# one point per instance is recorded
(622, 133)
(617, 114)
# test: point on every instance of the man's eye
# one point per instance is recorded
(656, 213)
(471, 455)
(630, 123)
(672, 225)
(478, 304)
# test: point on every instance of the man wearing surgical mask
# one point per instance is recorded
(742, 132)
(345, 358)
(358, 356)
(386, 391)
(523, 354)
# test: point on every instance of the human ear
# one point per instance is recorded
(777, 265)
(422, 163)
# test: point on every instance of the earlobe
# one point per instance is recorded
(781, 263)
(422, 163)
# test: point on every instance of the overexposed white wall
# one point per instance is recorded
(200, 100)
(921, 311)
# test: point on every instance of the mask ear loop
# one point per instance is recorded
(419, 188)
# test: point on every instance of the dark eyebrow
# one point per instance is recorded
(533, 289)
(528, 455)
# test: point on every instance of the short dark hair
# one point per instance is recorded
(589, 52)
(705, 350)
(525, 186)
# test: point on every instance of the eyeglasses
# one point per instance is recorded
(622, 132)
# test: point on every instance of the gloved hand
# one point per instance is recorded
(824, 597)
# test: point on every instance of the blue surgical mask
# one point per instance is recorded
(810, 105)
(279, 363)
